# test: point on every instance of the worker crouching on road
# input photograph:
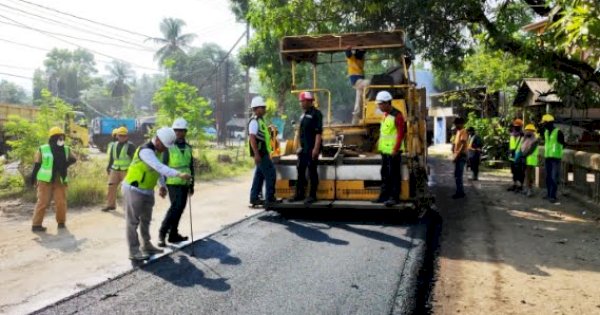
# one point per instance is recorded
(390, 145)
(120, 154)
(138, 190)
(528, 156)
(260, 149)
(554, 143)
(50, 173)
(459, 156)
(178, 157)
(311, 128)
(517, 170)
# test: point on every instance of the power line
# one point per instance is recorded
(15, 67)
(72, 26)
(74, 44)
(15, 75)
(86, 19)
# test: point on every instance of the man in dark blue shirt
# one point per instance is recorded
(311, 128)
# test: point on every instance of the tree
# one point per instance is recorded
(177, 99)
(173, 41)
(441, 31)
(119, 80)
(12, 93)
(144, 89)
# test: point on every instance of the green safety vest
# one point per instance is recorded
(139, 174)
(109, 148)
(532, 159)
(263, 137)
(45, 172)
(180, 161)
(121, 162)
(388, 135)
(552, 149)
(513, 144)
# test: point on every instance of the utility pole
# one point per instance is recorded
(247, 98)
(225, 101)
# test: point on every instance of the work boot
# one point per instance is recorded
(176, 238)
(390, 202)
(108, 208)
(161, 240)
(256, 202)
(310, 200)
(62, 226)
(38, 228)
(269, 203)
(296, 198)
(139, 256)
(149, 249)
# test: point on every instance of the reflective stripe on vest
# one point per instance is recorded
(45, 172)
(180, 161)
(355, 65)
(552, 149)
(140, 175)
(109, 148)
(121, 162)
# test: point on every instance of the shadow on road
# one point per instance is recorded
(181, 271)
(209, 248)
(306, 232)
(63, 241)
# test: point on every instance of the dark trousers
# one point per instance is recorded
(459, 170)
(306, 161)
(390, 177)
(474, 160)
(552, 167)
(264, 173)
(519, 171)
(178, 194)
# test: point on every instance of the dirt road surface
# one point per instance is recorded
(503, 253)
(38, 269)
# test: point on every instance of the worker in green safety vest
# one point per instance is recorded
(516, 137)
(50, 174)
(528, 156)
(259, 139)
(554, 143)
(144, 172)
(391, 146)
(112, 142)
(178, 157)
(120, 154)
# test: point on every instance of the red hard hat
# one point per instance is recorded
(305, 96)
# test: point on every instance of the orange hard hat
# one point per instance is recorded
(518, 122)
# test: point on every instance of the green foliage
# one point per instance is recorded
(82, 191)
(494, 135)
(210, 168)
(173, 41)
(12, 93)
(26, 136)
(178, 99)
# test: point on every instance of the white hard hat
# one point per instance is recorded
(179, 123)
(257, 101)
(167, 136)
(383, 96)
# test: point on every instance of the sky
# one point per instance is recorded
(25, 31)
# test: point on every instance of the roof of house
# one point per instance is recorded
(236, 122)
(542, 90)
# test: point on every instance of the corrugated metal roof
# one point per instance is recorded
(537, 86)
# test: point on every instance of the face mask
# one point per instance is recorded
(60, 143)
(528, 135)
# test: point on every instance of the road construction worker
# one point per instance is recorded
(50, 173)
(260, 149)
(311, 128)
(554, 143)
(528, 153)
(275, 145)
(390, 145)
(120, 154)
(178, 157)
(356, 73)
(474, 147)
(143, 174)
(459, 156)
(516, 137)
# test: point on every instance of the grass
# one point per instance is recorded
(211, 168)
(87, 183)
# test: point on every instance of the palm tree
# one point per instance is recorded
(173, 42)
(120, 75)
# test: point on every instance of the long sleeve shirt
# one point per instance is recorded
(148, 156)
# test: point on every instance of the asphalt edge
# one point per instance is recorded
(119, 276)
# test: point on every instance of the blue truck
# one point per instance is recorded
(102, 127)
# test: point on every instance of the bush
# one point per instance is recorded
(208, 166)
(494, 135)
(87, 183)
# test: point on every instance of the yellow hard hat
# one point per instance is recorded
(547, 118)
(55, 131)
(518, 122)
(121, 131)
(114, 132)
(530, 127)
